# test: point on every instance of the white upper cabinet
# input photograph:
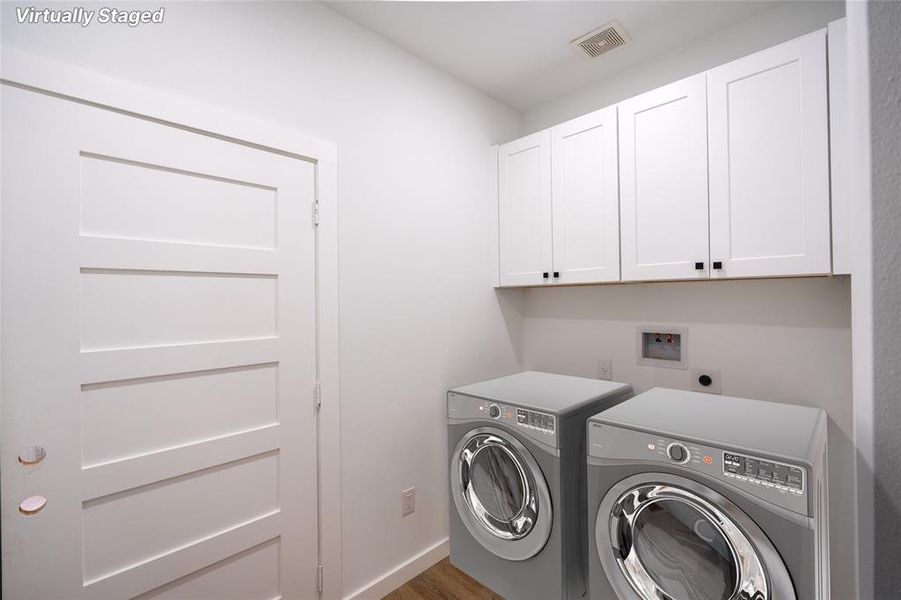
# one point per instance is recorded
(769, 162)
(663, 182)
(585, 199)
(840, 146)
(524, 212)
(725, 174)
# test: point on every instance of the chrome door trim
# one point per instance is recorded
(762, 574)
(524, 519)
(533, 522)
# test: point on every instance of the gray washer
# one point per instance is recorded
(695, 496)
(517, 508)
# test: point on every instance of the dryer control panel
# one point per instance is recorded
(539, 426)
(764, 472)
(781, 483)
(534, 420)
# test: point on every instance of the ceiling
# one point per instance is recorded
(519, 53)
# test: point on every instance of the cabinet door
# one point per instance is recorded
(585, 199)
(769, 162)
(663, 182)
(524, 214)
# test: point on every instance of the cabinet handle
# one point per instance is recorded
(717, 264)
(699, 266)
(556, 273)
(545, 275)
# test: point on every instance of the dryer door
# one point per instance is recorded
(669, 537)
(501, 494)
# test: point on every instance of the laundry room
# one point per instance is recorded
(427, 300)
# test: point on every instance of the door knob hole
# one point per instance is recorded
(32, 505)
(32, 455)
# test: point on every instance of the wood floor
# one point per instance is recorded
(442, 582)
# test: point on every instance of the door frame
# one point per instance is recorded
(75, 84)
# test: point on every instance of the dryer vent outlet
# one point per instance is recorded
(600, 41)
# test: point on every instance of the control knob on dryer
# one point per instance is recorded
(494, 411)
(678, 453)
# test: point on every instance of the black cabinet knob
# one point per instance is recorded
(705, 380)
(717, 264)
(556, 273)
(545, 275)
(699, 266)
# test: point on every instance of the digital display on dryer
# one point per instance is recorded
(535, 420)
(765, 472)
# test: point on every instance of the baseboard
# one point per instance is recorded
(390, 581)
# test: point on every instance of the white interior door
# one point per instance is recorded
(769, 162)
(663, 182)
(585, 198)
(524, 212)
(158, 341)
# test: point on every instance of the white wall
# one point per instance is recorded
(782, 23)
(784, 340)
(417, 312)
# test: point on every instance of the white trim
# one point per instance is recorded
(862, 335)
(80, 85)
(87, 86)
(330, 506)
(390, 581)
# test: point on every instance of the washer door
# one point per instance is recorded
(501, 494)
(672, 538)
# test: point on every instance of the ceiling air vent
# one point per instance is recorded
(601, 40)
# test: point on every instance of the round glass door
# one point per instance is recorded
(682, 550)
(499, 489)
(500, 493)
(679, 540)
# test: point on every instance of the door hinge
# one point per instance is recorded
(317, 395)
(315, 212)
(319, 579)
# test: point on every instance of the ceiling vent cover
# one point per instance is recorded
(601, 40)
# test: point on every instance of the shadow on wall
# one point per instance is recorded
(799, 302)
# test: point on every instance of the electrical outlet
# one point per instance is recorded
(605, 369)
(408, 501)
(706, 380)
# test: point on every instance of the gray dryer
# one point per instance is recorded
(700, 497)
(517, 483)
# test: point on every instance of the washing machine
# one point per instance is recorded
(517, 482)
(701, 497)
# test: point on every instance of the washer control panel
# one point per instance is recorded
(534, 420)
(764, 472)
